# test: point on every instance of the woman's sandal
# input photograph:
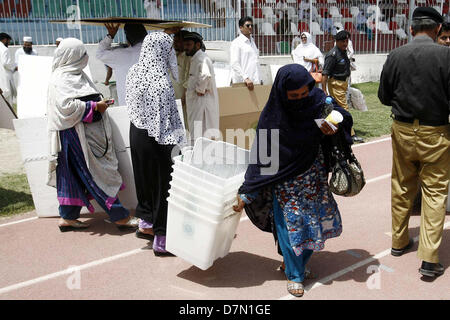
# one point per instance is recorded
(308, 274)
(295, 288)
(145, 236)
(132, 223)
(77, 225)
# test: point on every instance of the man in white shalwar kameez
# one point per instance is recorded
(7, 68)
(202, 102)
(27, 49)
(121, 59)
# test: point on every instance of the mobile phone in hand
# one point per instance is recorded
(109, 102)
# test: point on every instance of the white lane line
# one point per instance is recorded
(69, 271)
(386, 268)
(369, 143)
(199, 294)
(18, 221)
(384, 176)
(353, 267)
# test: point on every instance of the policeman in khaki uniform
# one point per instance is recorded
(415, 81)
(336, 73)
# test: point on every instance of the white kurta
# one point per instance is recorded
(20, 52)
(7, 67)
(202, 108)
(120, 60)
(244, 60)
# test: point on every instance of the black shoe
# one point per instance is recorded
(357, 139)
(429, 269)
(400, 252)
(145, 236)
(163, 254)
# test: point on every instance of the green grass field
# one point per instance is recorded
(15, 195)
(376, 121)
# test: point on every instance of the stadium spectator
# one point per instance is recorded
(361, 24)
(284, 25)
(153, 8)
(444, 34)
(281, 8)
(327, 23)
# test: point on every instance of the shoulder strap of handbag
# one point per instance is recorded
(340, 142)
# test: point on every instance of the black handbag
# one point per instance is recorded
(347, 176)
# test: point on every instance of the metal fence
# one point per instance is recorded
(377, 26)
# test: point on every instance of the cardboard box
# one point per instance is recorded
(240, 108)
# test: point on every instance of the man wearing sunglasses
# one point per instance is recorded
(244, 56)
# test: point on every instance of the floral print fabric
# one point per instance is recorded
(310, 211)
(150, 95)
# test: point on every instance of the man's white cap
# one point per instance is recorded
(27, 39)
(59, 39)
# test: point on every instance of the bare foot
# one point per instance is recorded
(147, 231)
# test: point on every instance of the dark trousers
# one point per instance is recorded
(152, 166)
(116, 212)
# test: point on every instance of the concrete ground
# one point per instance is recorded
(37, 261)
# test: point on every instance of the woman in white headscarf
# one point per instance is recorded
(155, 129)
(83, 164)
(307, 54)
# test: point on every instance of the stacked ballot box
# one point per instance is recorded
(201, 223)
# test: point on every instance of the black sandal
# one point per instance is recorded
(163, 254)
(73, 227)
(145, 236)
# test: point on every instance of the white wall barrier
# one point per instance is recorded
(33, 139)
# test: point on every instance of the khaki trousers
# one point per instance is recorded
(420, 152)
(338, 90)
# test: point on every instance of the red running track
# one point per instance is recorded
(35, 257)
